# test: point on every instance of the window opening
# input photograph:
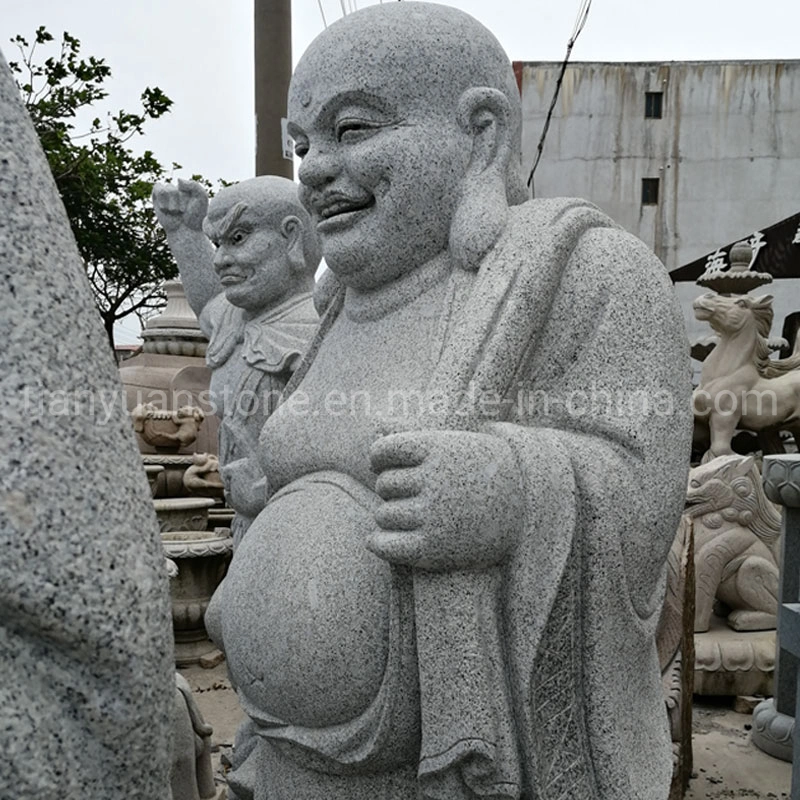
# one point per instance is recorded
(649, 191)
(652, 105)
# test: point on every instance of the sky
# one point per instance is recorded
(199, 52)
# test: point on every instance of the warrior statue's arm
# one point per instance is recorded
(181, 210)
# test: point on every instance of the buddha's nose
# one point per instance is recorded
(317, 168)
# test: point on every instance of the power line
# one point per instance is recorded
(580, 22)
(321, 11)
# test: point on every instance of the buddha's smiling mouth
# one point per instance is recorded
(342, 210)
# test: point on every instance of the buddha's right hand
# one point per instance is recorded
(452, 499)
(181, 206)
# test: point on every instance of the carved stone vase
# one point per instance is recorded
(167, 430)
(168, 376)
(202, 558)
(176, 514)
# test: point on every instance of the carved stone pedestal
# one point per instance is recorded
(169, 483)
(734, 663)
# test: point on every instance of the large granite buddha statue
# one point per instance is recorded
(476, 472)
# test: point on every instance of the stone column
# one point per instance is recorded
(273, 69)
(773, 719)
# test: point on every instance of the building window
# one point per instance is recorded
(649, 191)
(652, 104)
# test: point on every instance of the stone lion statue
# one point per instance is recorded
(737, 539)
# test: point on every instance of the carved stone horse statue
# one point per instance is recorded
(740, 386)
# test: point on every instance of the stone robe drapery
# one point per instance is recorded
(270, 345)
(86, 655)
(586, 345)
(539, 678)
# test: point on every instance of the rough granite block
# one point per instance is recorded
(87, 687)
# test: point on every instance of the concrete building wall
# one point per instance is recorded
(726, 150)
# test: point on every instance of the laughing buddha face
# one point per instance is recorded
(376, 122)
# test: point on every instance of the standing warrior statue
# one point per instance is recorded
(247, 262)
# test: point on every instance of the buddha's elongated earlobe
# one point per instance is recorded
(483, 113)
(482, 208)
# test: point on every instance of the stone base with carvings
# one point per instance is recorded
(729, 662)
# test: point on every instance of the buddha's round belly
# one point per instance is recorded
(306, 606)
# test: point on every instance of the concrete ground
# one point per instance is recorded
(726, 763)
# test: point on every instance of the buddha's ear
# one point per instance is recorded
(483, 113)
(292, 231)
(482, 210)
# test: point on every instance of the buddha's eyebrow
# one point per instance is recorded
(360, 97)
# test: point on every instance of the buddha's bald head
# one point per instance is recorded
(420, 53)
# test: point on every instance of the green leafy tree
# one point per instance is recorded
(104, 185)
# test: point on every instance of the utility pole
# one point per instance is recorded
(273, 69)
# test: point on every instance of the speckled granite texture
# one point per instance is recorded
(87, 686)
(477, 471)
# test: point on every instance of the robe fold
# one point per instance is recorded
(572, 325)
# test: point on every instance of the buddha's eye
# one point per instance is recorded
(300, 149)
(351, 130)
(237, 237)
